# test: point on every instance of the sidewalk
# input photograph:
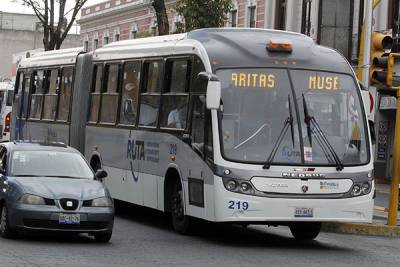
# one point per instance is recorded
(379, 225)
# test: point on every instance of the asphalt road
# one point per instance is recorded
(144, 238)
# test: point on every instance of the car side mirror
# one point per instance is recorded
(213, 98)
(101, 174)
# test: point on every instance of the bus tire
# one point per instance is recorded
(180, 222)
(305, 230)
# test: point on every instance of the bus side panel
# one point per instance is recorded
(116, 148)
(48, 132)
(138, 160)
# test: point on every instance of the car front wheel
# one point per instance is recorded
(5, 229)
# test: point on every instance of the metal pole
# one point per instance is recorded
(394, 188)
(367, 42)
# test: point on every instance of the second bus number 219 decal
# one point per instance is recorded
(238, 205)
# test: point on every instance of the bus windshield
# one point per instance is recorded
(317, 114)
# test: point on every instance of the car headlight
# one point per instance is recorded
(32, 200)
(102, 202)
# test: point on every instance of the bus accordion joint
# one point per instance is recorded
(279, 46)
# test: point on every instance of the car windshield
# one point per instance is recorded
(260, 105)
(49, 164)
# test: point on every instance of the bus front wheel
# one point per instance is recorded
(180, 221)
(305, 230)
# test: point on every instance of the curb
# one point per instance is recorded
(362, 229)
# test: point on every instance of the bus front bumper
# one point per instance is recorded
(236, 207)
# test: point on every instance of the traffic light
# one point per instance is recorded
(393, 67)
(381, 44)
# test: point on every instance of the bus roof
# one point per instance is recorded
(52, 58)
(226, 47)
(222, 47)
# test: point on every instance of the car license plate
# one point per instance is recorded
(69, 218)
(304, 212)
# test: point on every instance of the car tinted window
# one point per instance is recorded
(57, 164)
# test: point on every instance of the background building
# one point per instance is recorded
(334, 23)
(22, 32)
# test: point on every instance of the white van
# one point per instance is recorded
(6, 98)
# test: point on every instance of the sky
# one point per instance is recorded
(10, 6)
(15, 6)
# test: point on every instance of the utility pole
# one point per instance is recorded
(367, 42)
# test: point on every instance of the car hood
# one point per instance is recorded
(57, 188)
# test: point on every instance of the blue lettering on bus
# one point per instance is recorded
(131, 155)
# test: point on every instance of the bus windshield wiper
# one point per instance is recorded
(323, 141)
(288, 122)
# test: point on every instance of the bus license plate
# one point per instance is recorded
(304, 212)
(69, 219)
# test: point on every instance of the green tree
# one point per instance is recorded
(203, 14)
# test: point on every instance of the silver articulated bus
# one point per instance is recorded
(225, 125)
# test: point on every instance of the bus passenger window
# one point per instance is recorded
(23, 96)
(109, 102)
(95, 94)
(150, 94)
(39, 87)
(130, 90)
(175, 100)
(65, 94)
(50, 99)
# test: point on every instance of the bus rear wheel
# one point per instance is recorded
(180, 222)
(305, 230)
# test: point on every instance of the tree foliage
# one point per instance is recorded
(52, 16)
(203, 14)
(162, 18)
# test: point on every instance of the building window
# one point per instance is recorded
(252, 16)
(233, 18)
(133, 32)
(95, 41)
(86, 43)
(153, 28)
(116, 37)
(280, 15)
(106, 38)
(306, 17)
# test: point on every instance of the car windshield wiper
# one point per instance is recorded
(288, 122)
(314, 128)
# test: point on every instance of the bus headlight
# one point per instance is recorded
(356, 191)
(231, 185)
(365, 188)
(360, 189)
(238, 186)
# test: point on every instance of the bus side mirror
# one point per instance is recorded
(372, 131)
(213, 89)
(213, 94)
